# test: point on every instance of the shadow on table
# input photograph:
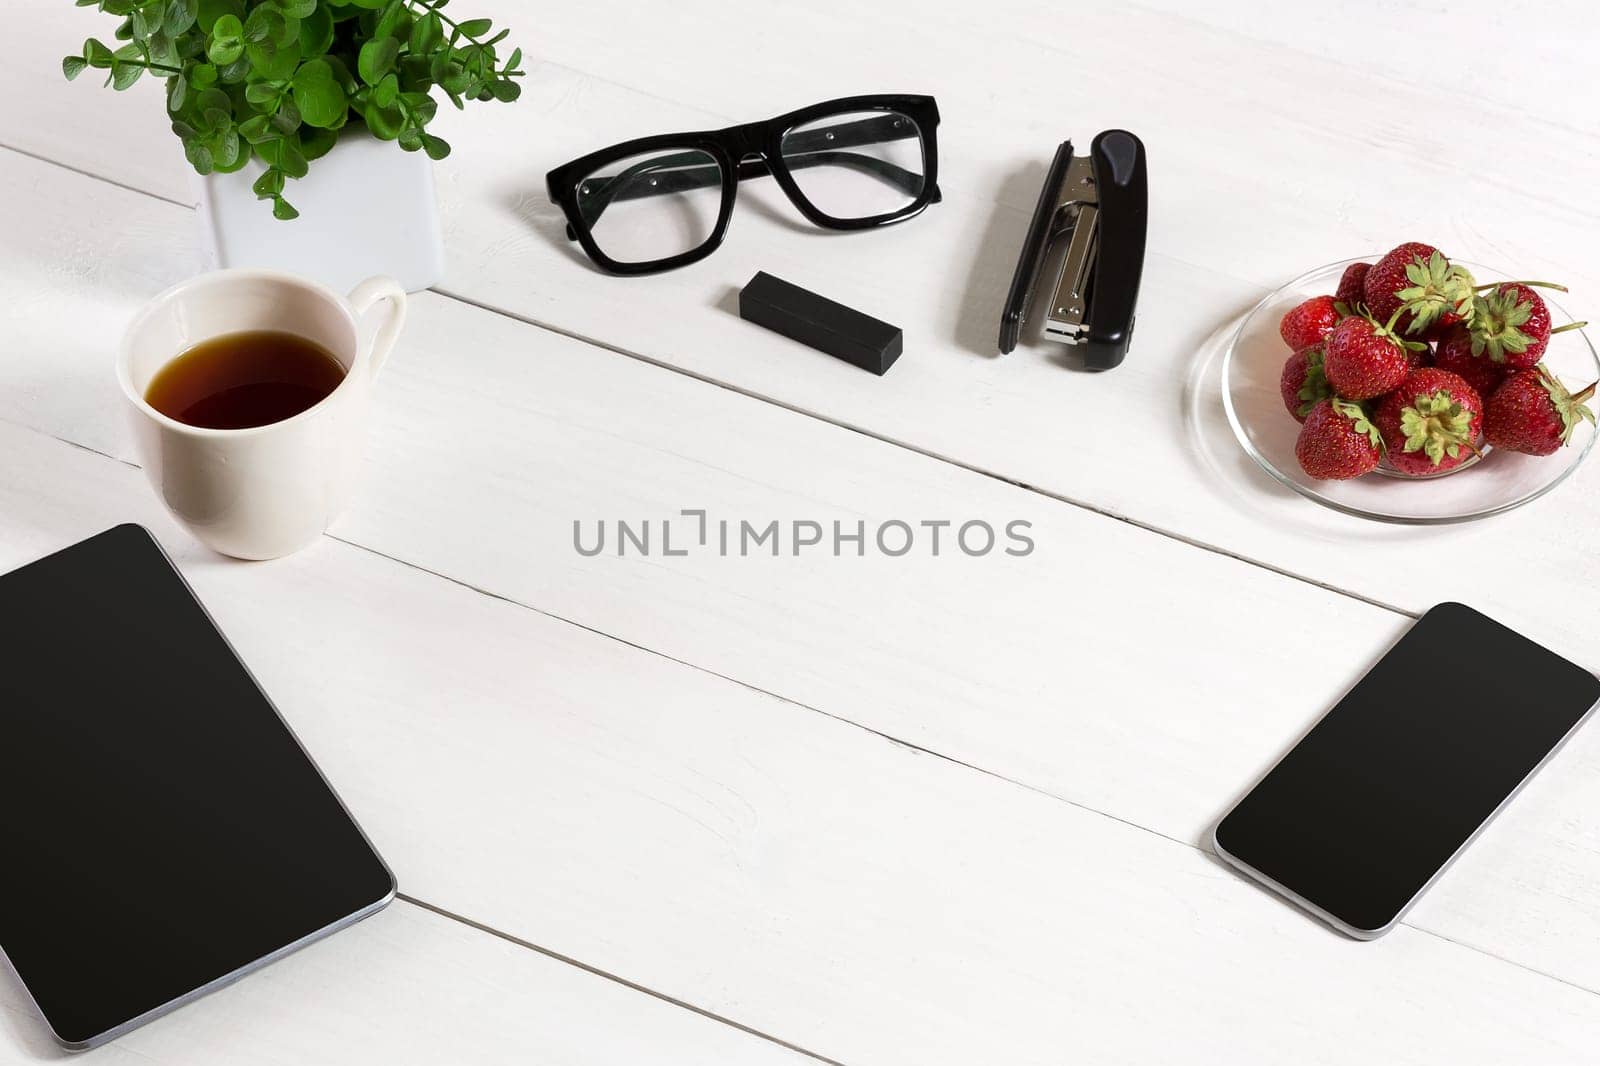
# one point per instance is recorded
(544, 219)
(997, 244)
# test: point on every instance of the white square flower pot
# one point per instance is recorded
(366, 208)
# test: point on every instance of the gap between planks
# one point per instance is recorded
(890, 738)
(614, 978)
(851, 428)
(870, 434)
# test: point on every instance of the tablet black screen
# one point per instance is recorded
(1381, 794)
(161, 828)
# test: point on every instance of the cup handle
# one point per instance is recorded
(381, 289)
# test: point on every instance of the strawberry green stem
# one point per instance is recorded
(1569, 325)
(1586, 393)
(1531, 284)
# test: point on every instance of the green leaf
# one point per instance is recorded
(436, 147)
(139, 22)
(505, 91)
(261, 56)
(385, 123)
(298, 9)
(316, 33)
(422, 107)
(292, 161)
(281, 66)
(265, 23)
(209, 11)
(124, 74)
(256, 128)
(269, 184)
(342, 75)
(199, 157)
(387, 91)
(318, 96)
(287, 117)
(227, 42)
(72, 66)
(377, 59)
(426, 33)
(177, 92)
(261, 92)
(411, 139)
(516, 58)
(97, 54)
(203, 76)
(474, 27)
(234, 72)
(282, 211)
(316, 143)
(394, 22)
(181, 14)
(214, 100)
(226, 151)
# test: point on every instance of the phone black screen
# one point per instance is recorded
(1380, 795)
(161, 827)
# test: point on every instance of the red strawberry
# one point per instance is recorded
(1431, 423)
(1511, 325)
(1533, 412)
(1337, 441)
(1306, 324)
(1350, 292)
(1365, 359)
(1455, 355)
(1420, 282)
(1303, 383)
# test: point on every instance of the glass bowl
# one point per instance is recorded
(1253, 365)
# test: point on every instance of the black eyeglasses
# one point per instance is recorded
(663, 202)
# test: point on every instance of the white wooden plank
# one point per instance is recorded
(1113, 668)
(407, 986)
(1226, 220)
(792, 872)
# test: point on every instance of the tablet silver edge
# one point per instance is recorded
(1373, 934)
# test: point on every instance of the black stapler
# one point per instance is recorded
(1089, 230)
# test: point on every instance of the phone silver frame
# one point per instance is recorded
(1327, 916)
(250, 967)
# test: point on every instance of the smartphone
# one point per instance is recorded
(1361, 817)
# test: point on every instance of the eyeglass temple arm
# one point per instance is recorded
(682, 171)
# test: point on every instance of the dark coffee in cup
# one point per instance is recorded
(247, 379)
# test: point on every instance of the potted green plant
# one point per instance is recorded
(289, 102)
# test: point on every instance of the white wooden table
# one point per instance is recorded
(872, 811)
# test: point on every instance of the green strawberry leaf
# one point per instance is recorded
(1359, 421)
(1437, 286)
(1571, 408)
(1436, 425)
(1315, 388)
(1496, 318)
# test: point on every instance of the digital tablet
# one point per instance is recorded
(162, 832)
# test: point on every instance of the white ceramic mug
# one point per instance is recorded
(262, 492)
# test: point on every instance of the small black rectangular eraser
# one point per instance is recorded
(829, 327)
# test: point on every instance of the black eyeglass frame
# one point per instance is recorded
(751, 150)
